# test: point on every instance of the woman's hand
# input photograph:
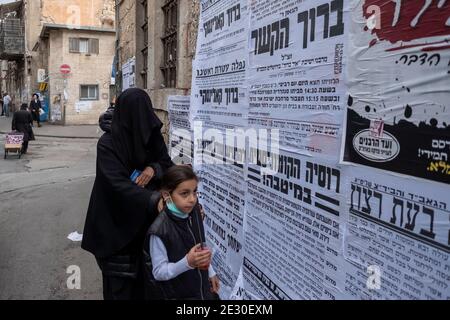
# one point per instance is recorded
(215, 284)
(145, 177)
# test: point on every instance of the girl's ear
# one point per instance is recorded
(165, 195)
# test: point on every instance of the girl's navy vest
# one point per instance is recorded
(179, 236)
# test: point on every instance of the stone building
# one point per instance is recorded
(12, 49)
(155, 47)
(76, 33)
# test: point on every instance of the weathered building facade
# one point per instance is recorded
(155, 47)
(79, 34)
(12, 50)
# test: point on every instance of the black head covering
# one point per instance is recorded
(105, 119)
(23, 106)
(134, 123)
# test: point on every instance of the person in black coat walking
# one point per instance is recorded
(105, 119)
(22, 122)
(121, 210)
(35, 107)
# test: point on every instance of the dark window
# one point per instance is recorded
(169, 39)
(144, 67)
(144, 51)
(83, 45)
(93, 46)
(145, 34)
(89, 92)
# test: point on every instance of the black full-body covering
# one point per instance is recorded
(120, 212)
(22, 122)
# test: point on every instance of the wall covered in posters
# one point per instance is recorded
(321, 135)
(218, 106)
(296, 88)
(397, 222)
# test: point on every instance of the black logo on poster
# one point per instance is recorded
(381, 148)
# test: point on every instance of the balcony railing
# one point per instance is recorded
(12, 39)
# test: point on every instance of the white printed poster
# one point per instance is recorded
(181, 144)
(222, 194)
(296, 82)
(397, 238)
(398, 115)
(129, 74)
(55, 112)
(291, 229)
(219, 105)
(222, 197)
(83, 106)
(219, 79)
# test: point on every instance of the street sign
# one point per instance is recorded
(43, 86)
(41, 75)
(64, 69)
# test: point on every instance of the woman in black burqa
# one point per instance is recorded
(120, 210)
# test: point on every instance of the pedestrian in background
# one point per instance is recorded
(6, 104)
(105, 118)
(22, 122)
(121, 210)
(1, 106)
(35, 108)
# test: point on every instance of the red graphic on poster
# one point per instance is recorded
(402, 20)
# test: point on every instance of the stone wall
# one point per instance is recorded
(127, 30)
(187, 37)
(188, 15)
(85, 70)
(93, 13)
(85, 13)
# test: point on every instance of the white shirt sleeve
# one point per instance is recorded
(211, 272)
(164, 270)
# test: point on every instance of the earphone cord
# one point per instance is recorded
(199, 229)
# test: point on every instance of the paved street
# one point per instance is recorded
(43, 198)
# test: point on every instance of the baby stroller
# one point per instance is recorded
(13, 143)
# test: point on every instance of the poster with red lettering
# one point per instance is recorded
(398, 115)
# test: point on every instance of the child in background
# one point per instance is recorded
(177, 265)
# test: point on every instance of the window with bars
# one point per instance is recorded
(169, 39)
(144, 51)
(89, 92)
(144, 67)
(83, 45)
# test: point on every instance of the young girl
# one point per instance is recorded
(177, 266)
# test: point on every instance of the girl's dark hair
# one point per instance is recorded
(176, 175)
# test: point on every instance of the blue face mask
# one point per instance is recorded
(177, 212)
